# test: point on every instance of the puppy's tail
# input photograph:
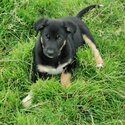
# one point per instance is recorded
(85, 10)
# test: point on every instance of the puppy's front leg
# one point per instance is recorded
(67, 74)
(27, 101)
(98, 58)
(34, 74)
(65, 79)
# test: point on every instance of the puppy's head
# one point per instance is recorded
(53, 35)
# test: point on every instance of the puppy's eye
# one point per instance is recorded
(47, 36)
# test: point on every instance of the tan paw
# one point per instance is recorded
(99, 62)
(66, 79)
(27, 101)
(99, 65)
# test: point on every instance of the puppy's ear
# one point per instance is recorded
(70, 27)
(39, 25)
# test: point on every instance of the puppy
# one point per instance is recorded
(55, 49)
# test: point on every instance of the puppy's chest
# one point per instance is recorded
(53, 70)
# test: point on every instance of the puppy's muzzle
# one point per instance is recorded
(50, 52)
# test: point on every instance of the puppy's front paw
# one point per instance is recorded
(66, 79)
(27, 101)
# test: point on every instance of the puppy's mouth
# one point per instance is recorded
(51, 57)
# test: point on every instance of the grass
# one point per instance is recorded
(96, 97)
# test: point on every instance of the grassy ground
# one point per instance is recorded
(96, 97)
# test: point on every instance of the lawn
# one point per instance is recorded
(96, 96)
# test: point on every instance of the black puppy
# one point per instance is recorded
(59, 39)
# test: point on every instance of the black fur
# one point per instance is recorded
(50, 48)
(82, 12)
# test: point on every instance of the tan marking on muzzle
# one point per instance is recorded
(98, 58)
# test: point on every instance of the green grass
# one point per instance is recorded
(96, 97)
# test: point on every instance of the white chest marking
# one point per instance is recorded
(51, 70)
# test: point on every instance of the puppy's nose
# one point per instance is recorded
(50, 52)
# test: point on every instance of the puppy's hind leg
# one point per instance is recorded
(98, 58)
